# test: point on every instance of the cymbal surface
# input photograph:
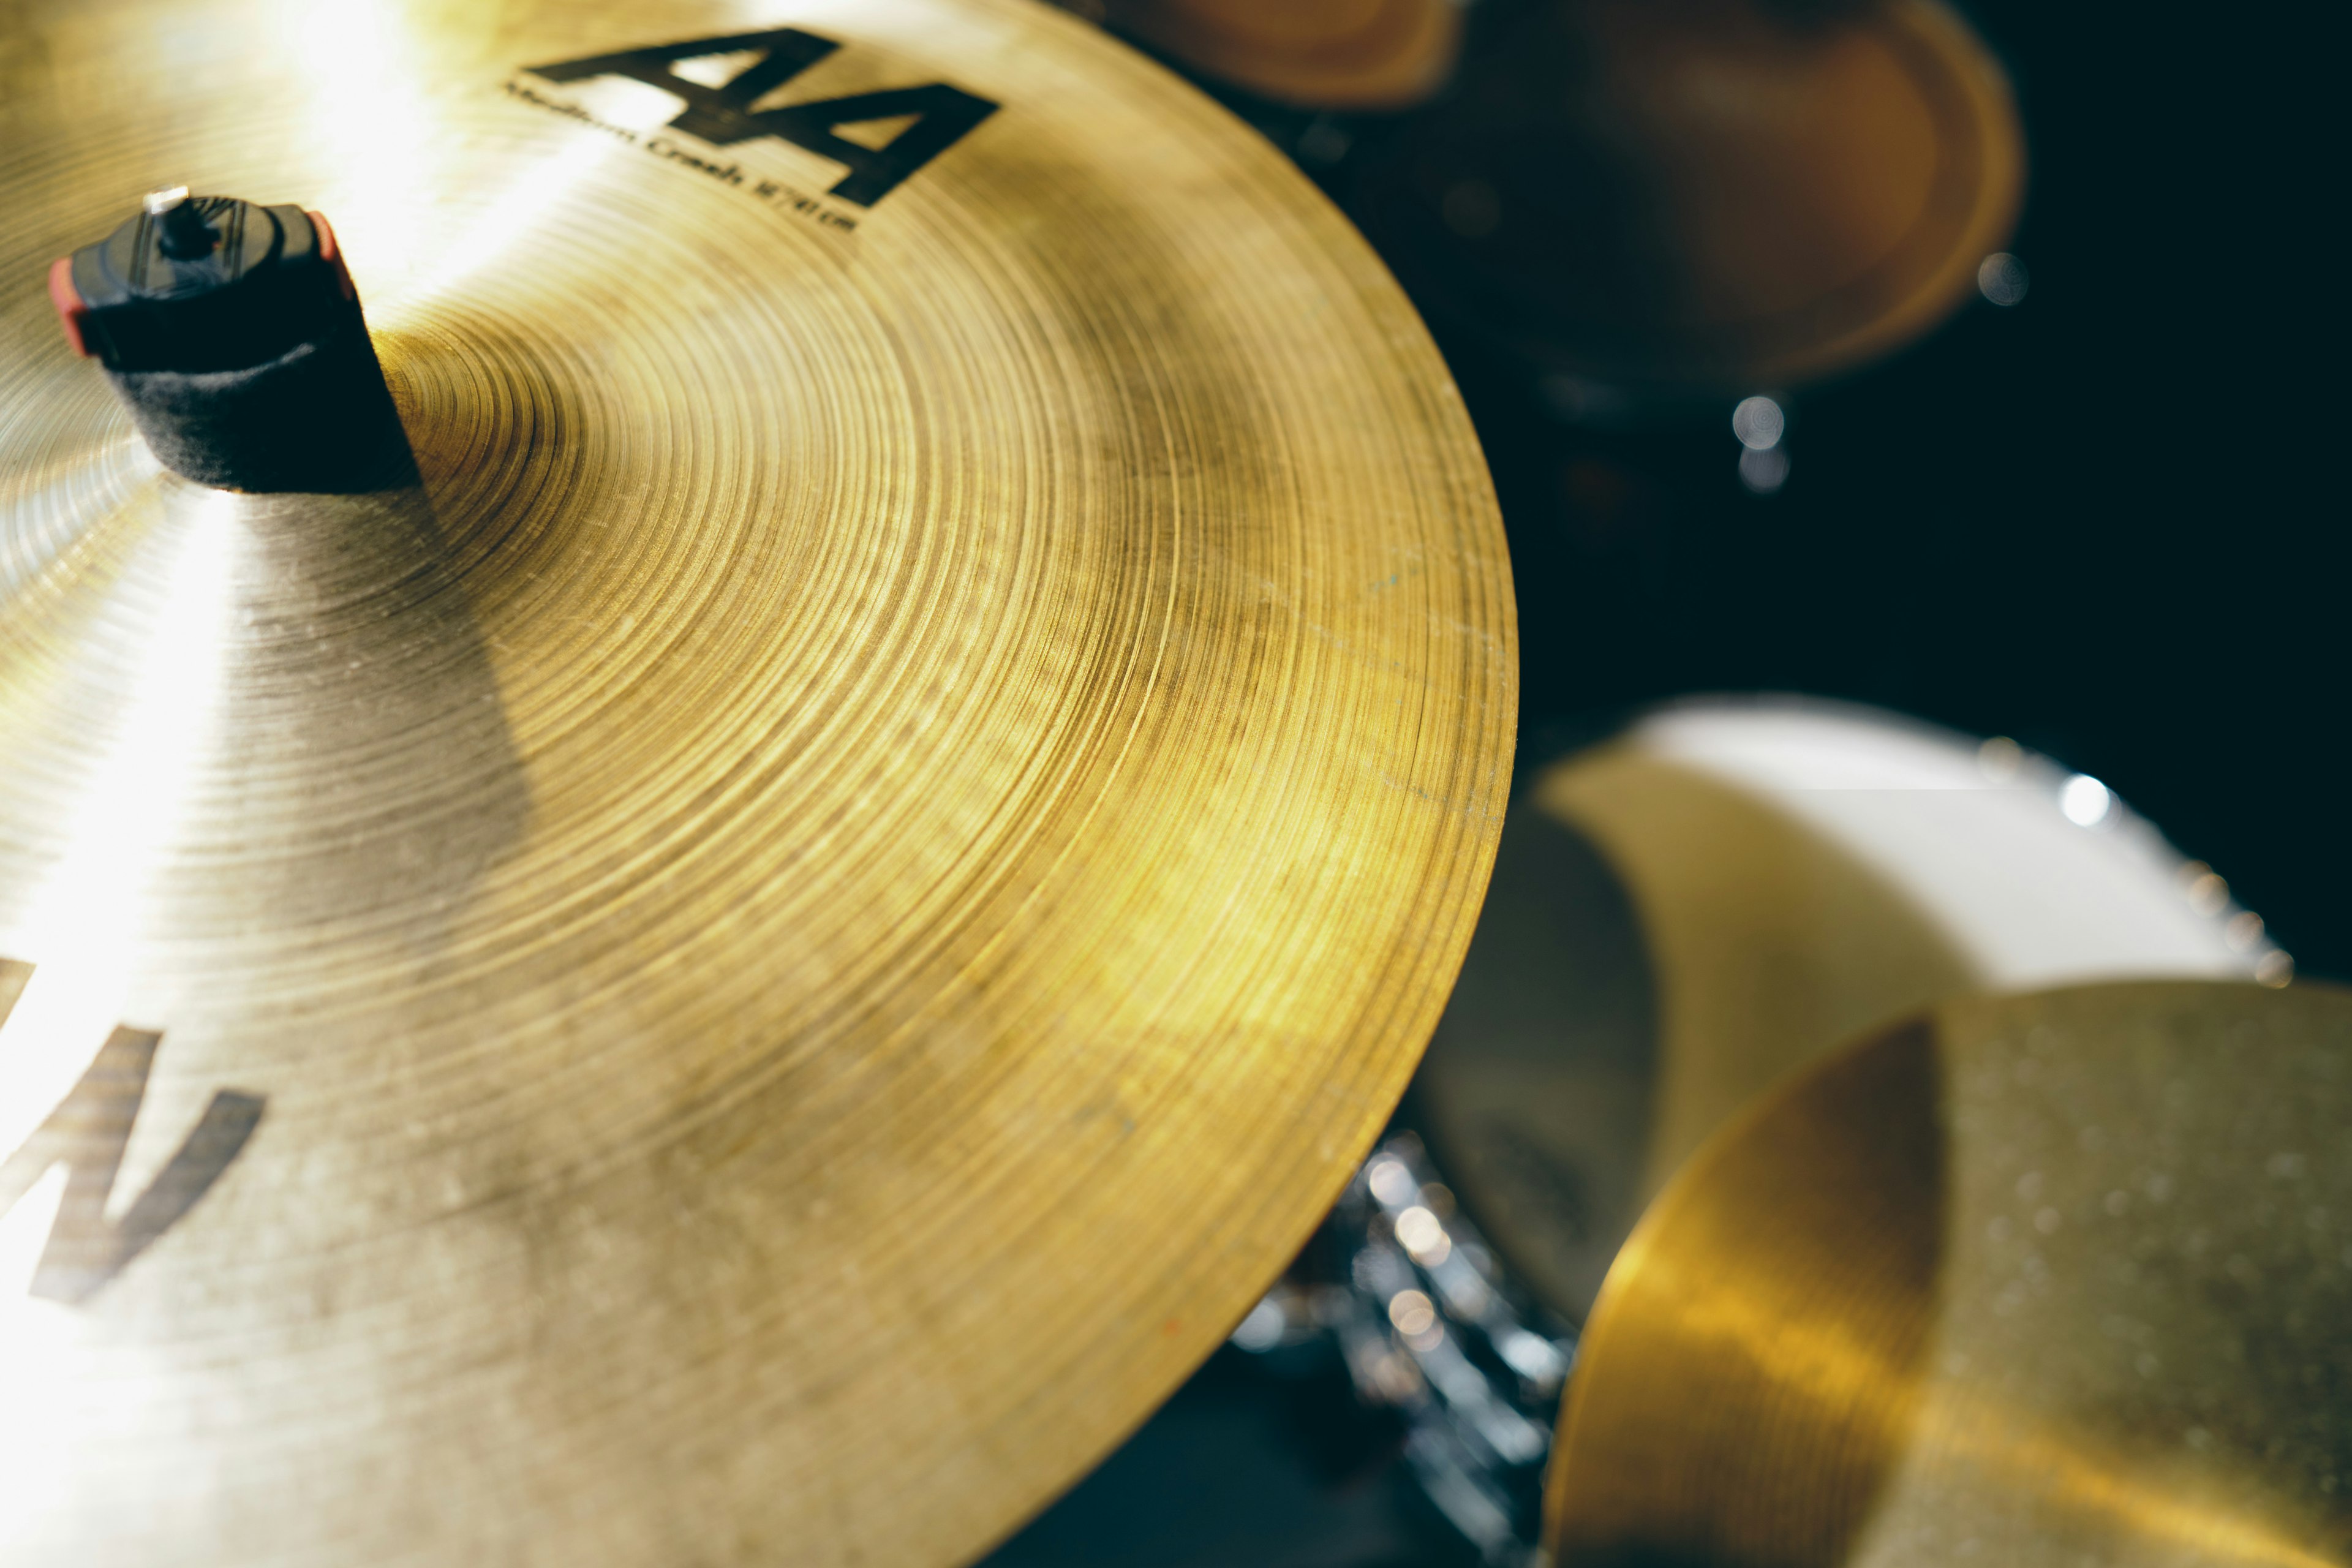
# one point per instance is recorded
(2041, 1280)
(757, 968)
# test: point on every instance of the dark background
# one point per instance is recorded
(2106, 522)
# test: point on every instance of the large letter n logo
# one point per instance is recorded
(87, 1133)
(726, 114)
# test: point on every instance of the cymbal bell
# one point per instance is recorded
(2038, 1280)
(759, 964)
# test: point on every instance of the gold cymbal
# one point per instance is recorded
(755, 968)
(2044, 1279)
(1677, 196)
(1316, 53)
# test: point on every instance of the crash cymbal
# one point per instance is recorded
(1726, 889)
(754, 969)
(1314, 54)
(1706, 197)
(2048, 1280)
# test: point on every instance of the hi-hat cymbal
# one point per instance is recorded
(2048, 1280)
(756, 968)
(1726, 888)
(1668, 197)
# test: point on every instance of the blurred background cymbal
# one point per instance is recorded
(801, 928)
(1695, 197)
(1352, 55)
(1705, 901)
(2041, 1280)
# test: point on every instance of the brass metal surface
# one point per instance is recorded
(2048, 1280)
(755, 968)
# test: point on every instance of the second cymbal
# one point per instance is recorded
(1730, 887)
(1706, 197)
(2045, 1280)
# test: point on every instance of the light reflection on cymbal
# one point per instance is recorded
(81, 925)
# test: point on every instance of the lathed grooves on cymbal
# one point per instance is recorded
(818, 910)
(2042, 1279)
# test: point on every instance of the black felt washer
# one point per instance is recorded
(317, 417)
